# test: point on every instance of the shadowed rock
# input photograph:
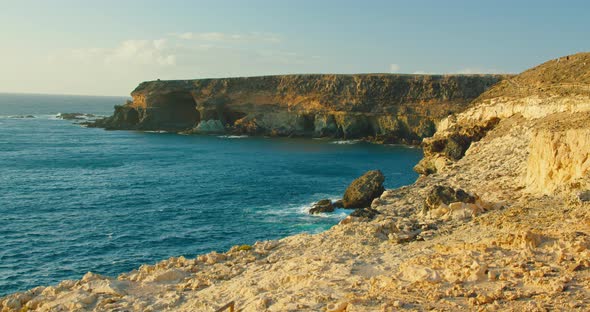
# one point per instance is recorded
(446, 195)
(75, 116)
(361, 192)
(584, 196)
(368, 213)
(324, 205)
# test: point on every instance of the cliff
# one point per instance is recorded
(517, 238)
(557, 86)
(380, 107)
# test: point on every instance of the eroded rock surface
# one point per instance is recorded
(557, 86)
(378, 107)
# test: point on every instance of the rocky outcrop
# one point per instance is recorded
(559, 154)
(364, 189)
(445, 195)
(324, 205)
(557, 86)
(379, 107)
(75, 116)
(366, 213)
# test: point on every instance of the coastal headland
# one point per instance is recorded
(498, 220)
(386, 108)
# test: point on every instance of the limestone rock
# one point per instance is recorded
(364, 189)
(559, 155)
(417, 273)
(107, 286)
(337, 307)
(168, 276)
(451, 145)
(377, 107)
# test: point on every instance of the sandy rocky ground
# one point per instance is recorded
(524, 245)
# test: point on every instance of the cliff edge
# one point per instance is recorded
(380, 107)
(504, 224)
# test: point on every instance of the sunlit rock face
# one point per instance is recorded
(559, 157)
(384, 108)
(553, 97)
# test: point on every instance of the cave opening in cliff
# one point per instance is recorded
(232, 116)
(308, 124)
(180, 110)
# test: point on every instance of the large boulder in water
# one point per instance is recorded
(364, 189)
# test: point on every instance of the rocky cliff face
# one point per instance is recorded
(556, 89)
(380, 107)
(559, 158)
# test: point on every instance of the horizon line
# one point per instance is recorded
(63, 94)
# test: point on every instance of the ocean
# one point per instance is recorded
(75, 199)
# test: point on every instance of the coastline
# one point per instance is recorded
(524, 244)
(374, 107)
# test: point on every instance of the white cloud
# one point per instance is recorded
(180, 56)
(394, 68)
(167, 51)
(229, 37)
(142, 52)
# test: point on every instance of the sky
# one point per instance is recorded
(107, 47)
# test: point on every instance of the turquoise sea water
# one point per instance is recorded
(75, 199)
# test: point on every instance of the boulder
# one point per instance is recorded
(364, 189)
(446, 195)
(324, 205)
(338, 204)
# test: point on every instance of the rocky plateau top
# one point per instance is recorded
(379, 107)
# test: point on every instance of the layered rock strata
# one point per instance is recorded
(381, 107)
(505, 227)
(557, 86)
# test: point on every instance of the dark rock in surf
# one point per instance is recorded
(324, 205)
(361, 192)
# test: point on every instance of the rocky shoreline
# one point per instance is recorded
(499, 220)
(384, 108)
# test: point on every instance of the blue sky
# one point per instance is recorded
(107, 47)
